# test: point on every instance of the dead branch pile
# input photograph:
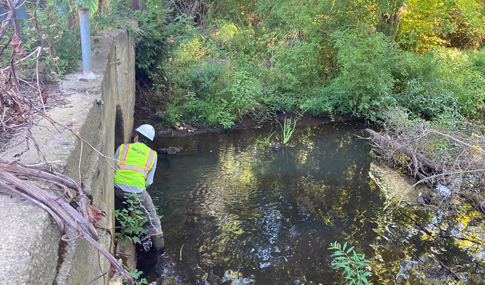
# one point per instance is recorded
(452, 157)
(16, 102)
(65, 207)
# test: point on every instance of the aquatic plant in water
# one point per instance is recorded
(288, 128)
(265, 140)
(355, 266)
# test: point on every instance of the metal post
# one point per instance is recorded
(85, 41)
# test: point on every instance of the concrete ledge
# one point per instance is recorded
(30, 247)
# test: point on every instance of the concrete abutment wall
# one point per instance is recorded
(100, 111)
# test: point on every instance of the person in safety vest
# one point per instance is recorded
(135, 167)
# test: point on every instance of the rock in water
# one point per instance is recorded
(424, 200)
(170, 150)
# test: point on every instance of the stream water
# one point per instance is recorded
(235, 208)
(237, 211)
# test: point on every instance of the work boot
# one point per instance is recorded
(157, 241)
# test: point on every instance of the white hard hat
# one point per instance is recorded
(147, 130)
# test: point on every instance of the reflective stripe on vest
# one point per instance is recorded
(133, 168)
(121, 165)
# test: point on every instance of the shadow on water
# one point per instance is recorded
(238, 212)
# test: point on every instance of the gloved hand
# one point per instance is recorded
(157, 241)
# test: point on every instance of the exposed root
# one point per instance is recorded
(19, 180)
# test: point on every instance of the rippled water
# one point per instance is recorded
(236, 209)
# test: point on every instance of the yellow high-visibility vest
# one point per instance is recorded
(134, 162)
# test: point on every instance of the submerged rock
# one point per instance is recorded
(392, 183)
(423, 200)
(165, 134)
(170, 150)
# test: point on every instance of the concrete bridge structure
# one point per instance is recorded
(100, 111)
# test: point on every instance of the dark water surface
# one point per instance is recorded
(234, 208)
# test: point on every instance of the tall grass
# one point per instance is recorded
(266, 139)
(288, 128)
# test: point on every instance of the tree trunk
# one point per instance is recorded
(389, 23)
(134, 5)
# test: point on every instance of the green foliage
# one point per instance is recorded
(278, 102)
(287, 128)
(213, 111)
(152, 47)
(113, 15)
(205, 76)
(265, 140)
(366, 80)
(354, 266)
(426, 25)
(131, 220)
(245, 92)
(441, 81)
(209, 91)
(236, 39)
(322, 57)
(323, 102)
(136, 277)
(296, 67)
(92, 5)
(62, 49)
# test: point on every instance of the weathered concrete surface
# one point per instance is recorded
(30, 248)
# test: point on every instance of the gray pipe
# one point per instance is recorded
(85, 39)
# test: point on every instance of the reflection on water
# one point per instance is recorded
(238, 212)
(431, 245)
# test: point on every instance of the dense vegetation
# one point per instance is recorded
(234, 59)
(217, 62)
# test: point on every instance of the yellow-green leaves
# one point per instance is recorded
(91, 4)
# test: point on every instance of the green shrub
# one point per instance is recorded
(245, 93)
(278, 102)
(151, 41)
(296, 67)
(427, 98)
(477, 61)
(322, 102)
(293, 58)
(131, 220)
(441, 81)
(191, 109)
(204, 77)
(62, 48)
(366, 81)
